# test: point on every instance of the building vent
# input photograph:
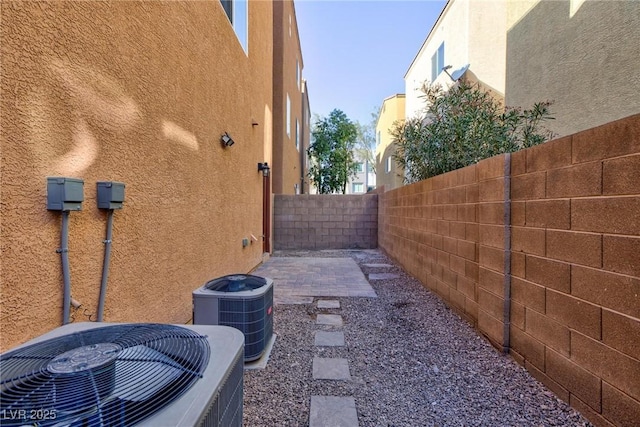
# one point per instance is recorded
(244, 302)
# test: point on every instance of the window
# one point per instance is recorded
(298, 73)
(297, 135)
(357, 187)
(437, 62)
(378, 138)
(288, 116)
(238, 13)
(359, 167)
(387, 168)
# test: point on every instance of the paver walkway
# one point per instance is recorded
(296, 277)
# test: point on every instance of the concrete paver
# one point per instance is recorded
(315, 277)
(378, 265)
(330, 368)
(329, 339)
(382, 276)
(333, 411)
(329, 319)
(328, 303)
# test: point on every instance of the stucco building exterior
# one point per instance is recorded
(287, 100)
(583, 55)
(467, 32)
(388, 173)
(141, 93)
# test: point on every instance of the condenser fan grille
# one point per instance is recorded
(110, 376)
(236, 283)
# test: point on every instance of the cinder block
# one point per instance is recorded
(491, 258)
(467, 287)
(443, 228)
(471, 309)
(549, 332)
(622, 333)
(529, 186)
(472, 194)
(471, 270)
(528, 294)
(457, 264)
(467, 212)
(518, 162)
(443, 259)
(549, 273)
(471, 231)
(491, 213)
(578, 381)
(588, 412)
(449, 212)
(548, 214)
(517, 315)
(491, 327)
(556, 388)
(619, 408)
(450, 245)
(529, 240)
(530, 348)
(621, 175)
(492, 235)
(617, 292)
(584, 179)
(613, 139)
(621, 254)
(552, 154)
(491, 281)
(518, 263)
(617, 215)
(458, 195)
(575, 313)
(457, 230)
(492, 167)
(575, 247)
(468, 250)
(616, 368)
(490, 303)
(491, 190)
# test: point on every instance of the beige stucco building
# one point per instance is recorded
(288, 101)
(388, 173)
(583, 55)
(141, 93)
(467, 32)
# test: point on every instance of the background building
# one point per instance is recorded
(388, 173)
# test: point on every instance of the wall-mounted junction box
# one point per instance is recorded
(64, 194)
(110, 194)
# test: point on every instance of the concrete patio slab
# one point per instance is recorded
(315, 277)
(327, 303)
(262, 362)
(329, 339)
(382, 276)
(329, 319)
(333, 411)
(328, 368)
(291, 299)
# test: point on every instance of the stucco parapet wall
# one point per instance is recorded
(323, 221)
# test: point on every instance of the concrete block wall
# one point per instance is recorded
(319, 221)
(574, 259)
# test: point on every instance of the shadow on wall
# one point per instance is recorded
(579, 54)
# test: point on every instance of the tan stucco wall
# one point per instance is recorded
(584, 55)
(137, 92)
(287, 169)
(392, 110)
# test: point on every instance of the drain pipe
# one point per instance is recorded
(110, 197)
(65, 195)
(506, 338)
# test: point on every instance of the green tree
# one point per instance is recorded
(333, 139)
(463, 126)
(366, 142)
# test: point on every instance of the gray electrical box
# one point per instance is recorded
(64, 194)
(110, 194)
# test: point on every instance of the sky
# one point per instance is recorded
(356, 53)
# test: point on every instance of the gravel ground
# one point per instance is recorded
(413, 362)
